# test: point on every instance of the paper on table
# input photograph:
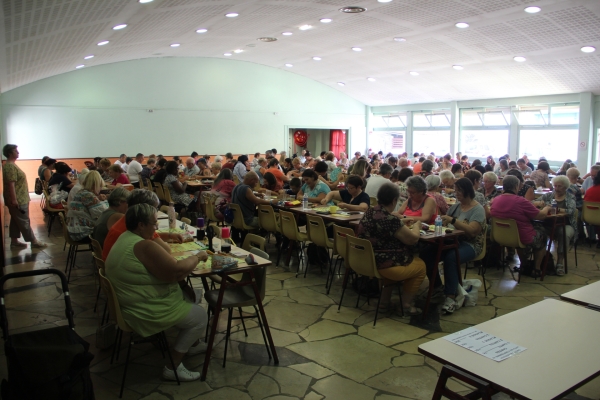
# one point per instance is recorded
(189, 246)
(485, 344)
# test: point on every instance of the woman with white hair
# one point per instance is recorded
(79, 185)
(488, 189)
(433, 184)
(566, 205)
(448, 179)
(343, 162)
(86, 207)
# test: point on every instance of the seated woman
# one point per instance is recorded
(145, 279)
(468, 216)
(313, 187)
(343, 162)
(403, 175)
(117, 206)
(419, 205)
(295, 185)
(159, 173)
(86, 207)
(221, 192)
(45, 172)
(352, 198)
(457, 171)
(215, 169)
(503, 169)
(526, 188)
(147, 170)
(119, 178)
(489, 190)
(79, 185)
(392, 242)
(271, 183)
(241, 167)
(475, 177)
(532, 235)
(177, 189)
(540, 175)
(566, 205)
(61, 177)
(433, 189)
(297, 168)
(261, 169)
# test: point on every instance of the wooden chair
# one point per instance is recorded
(122, 326)
(73, 247)
(97, 252)
(339, 250)
(289, 229)
(317, 233)
(210, 212)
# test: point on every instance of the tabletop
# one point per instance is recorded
(561, 354)
(588, 295)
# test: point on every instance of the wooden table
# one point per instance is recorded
(588, 296)
(340, 219)
(561, 354)
(196, 184)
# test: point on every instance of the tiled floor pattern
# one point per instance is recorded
(323, 353)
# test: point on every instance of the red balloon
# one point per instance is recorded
(300, 138)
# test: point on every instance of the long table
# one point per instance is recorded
(561, 354)
(588, 295)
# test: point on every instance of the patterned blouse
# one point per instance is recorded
(569, 206)
(84, 211)
(178, 198)
(525, 188)
(12, 173)
(440, 202)
(379, 226)
(488, 198)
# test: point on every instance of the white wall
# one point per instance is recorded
(202, 104)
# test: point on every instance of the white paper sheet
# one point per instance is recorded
(485, 344)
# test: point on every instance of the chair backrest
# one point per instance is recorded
(186, 220)
(317, 233)
(591, 213)
(48, 204)
(148, 183)
(141, 183)
(238, 217)
(289, 228)
(360, 257)
(96, 247)
(158, 188)
(254, 241)
(236, 180)
(210, 210)
(373, 201)
(166, 193)
(99, 262)
(339, 239)
(267, 219)
(504, 231)
(113, 302)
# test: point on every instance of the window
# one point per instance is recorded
(389, 121)
(387, 142)
(437, 141)
(554, 144)
(431, 119)
(484, 132)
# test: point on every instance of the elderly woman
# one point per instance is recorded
(86, 207)
(445, 163)
(297, 168)
(468, 216)
(329, 160)
(117, 206)
(532, 235)
(79, 185)
(419, 205)
(392, 242)
(352, 197)
(426, 168)
(118, 176)
(343, 162)
(221, 191)
(526, 188)
(16, 198)
(573, 176)
(103, 167)
(433, 189)
(261, 169)
(241, 167)
(144, 276)
(448, 179)
(503, 168)
(177, 189)
(61, 177)
(215, 168)
(313, 187)
(489, 190)
(540, 175)
(566, 205)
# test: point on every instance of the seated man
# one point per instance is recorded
(191, 168)
(243, 196)
(376, 181)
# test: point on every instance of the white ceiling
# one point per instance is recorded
(43, 38)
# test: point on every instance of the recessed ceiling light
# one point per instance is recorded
(289, 65)
(267, 39)
(325, 20)
(231, 15)
(414, 73)
(79, 66)
(532, 9)
(317, 58)
(399, 39)
(341, 84)
(227, 54)
(384, 1)
(237, 51)
(175, 44)
(588, 49)
(356, 49)
(372, 79)
(352, 9)
(461, 25)
(287, 33)
(458, 67)
(102, 43)
(519, 59)
(145, 1)
(201, 30)
(88, 57)
(120, 26)
(305, 27)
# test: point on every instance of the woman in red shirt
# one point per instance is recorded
(419, 206)
(118, 175)
(593, 193)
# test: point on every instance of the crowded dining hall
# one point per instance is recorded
(301, 200)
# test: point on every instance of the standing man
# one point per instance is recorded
(135, 169)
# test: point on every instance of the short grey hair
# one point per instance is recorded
(387, 193)
(561, 180)
(118, 196)
(595, 167)
(141, 196)
(445, 174)
(573, 172)
(140, 213)
(433, 181)
(491, 176)
(511, 183)
(417, 183)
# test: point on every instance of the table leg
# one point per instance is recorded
(440, 244)
(548, 249)
(264, 318)
(213, 329)
(565, 244)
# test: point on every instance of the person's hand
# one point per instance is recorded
(324, 201)
(13, 203)
(547, 209)
(175, 238)
(102, 197)
(342, 205)
(202, 256)
(410, 222)
(446, 220)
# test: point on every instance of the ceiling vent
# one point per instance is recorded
(267, 39)
(352, 10)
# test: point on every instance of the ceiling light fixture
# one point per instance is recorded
(175, 44)
(102, 43)
(352, 9)
(88, 57)
(305, 27)
(325, 20)
(231, 15)
(588, 49)
(399, 39)
(317, 58)
(341, 83)
(384, 1)
(532, 9)
(461, 25)
(145, 1)
(266, 39)
(371, 79)
(227, 54)
(201, 30)
(356, 49)
(414, 73)
(238, 51)
(119, 27)
(458, 67)
(519, 59)
(79, 66)
(289, 65)
(287, 33)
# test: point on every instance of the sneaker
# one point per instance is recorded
(449, 305)
(38, 245)
(560, 269)
(182, 373)
(198, 349)
(18, 245)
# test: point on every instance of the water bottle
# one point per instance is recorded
(443, 193)
(305, 202)
(554, 205)
(171, 215)
(438, 226)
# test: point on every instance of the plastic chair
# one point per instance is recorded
(210, 212)
(238, 219)
(254, 241)
(158, 188)
(289, 229)
(480, 257)
(73, 247)
(506, 234)
(236, 180)
(317, 233)
(122, 326)
(186, 220)
(166, 194)
(97, 252)
(590, 213)
(339, 249)
(373, 201)
(268, 220)
(50, 211)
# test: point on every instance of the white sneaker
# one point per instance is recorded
(182, 372)
(198, 349)
(560, 269)
(449, 305)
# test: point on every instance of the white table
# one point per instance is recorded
(562, 352)
(588, 296)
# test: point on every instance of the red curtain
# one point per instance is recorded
(337, 141)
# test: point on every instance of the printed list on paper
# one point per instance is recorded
(485, 344)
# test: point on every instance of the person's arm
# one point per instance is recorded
(162, 265)
(543, 213)
(178, 186)
(12, 195)
(113, 220)
(471, 229)
(317, 199)
(333, 195)
(409, 235)
(401, 209)
(167, 237)
(529, 194)
(47, 174)
(332, 185)
(256, 200)
(352, 207)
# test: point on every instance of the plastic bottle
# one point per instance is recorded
(554, 207)
(171, 215)
(443, 193)
(305, 202)
(438, 226)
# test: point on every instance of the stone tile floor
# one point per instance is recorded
(323, 353)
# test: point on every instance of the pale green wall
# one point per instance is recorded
(203, 104)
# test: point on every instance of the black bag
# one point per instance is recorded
(366, 286)
(317, 255)
(39, 188)
(529, 266)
